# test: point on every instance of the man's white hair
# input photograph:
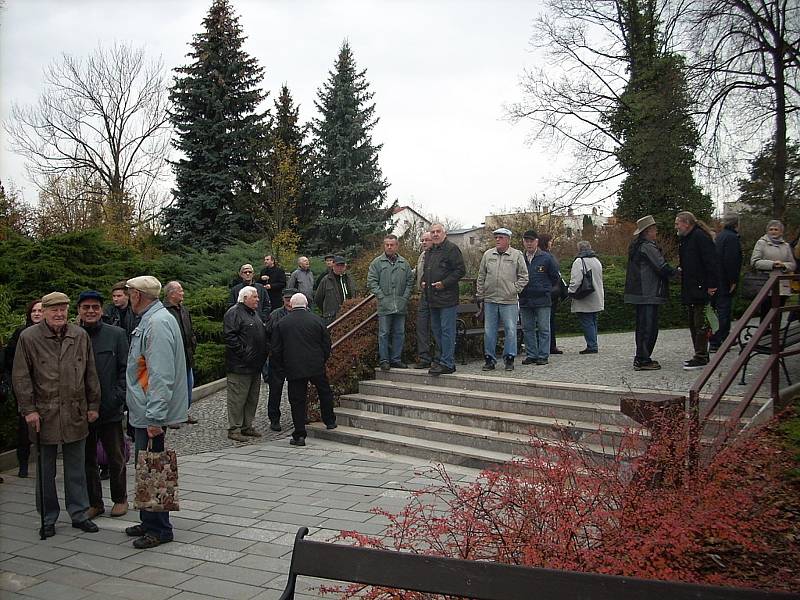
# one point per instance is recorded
(301, 259)
(171, 286)
(246, 291)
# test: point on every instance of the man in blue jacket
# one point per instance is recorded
(536, 298)
(157, 390)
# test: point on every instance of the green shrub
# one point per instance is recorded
(209, 363)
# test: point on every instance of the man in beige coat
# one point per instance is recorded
(58, 393)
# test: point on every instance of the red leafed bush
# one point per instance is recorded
(644, 516)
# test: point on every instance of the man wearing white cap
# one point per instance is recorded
(301, 345)
(502, 275)
(156, 389)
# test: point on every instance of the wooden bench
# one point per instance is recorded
(464, 332)
(486, 580)
(789, 335)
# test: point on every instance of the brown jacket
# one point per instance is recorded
(56, 378)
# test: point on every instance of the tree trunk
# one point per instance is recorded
(779, 169)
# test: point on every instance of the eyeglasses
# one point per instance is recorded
(89, 307)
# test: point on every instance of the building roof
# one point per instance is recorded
(465, 230)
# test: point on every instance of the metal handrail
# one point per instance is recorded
(773, 320)
(351, 311)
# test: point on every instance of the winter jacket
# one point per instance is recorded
(648, 274)
(593, 302)
(766, 252)
(443, 262)
(501, 277)
(543, 274)
(264, 307)
(729, 257)
(184, 320)
(303, 282)
(110, 348)
(121, 317)
(699, 267)
(301, 345)
(333, 290)
(392, 283)
(274, 283)
(156, 373)
(246, 344)
(55, 376)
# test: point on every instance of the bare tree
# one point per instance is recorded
(104, 118)
(748, 76)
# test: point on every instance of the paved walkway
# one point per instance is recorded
(243, 503)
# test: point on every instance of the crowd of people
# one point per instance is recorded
(74, 383)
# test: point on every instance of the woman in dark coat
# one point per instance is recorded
(33, 315)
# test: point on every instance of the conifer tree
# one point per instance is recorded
(348, 188)
(219, 132)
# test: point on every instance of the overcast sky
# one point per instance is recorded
(441, 71)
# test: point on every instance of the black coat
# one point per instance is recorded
(246, 344)
(124, 318)
(264, 305)
(184, 320)
(110, 348)
(276, 281)
(729, 254)
(699, 266)
(301, 345)
(443, 262)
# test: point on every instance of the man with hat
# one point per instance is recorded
(334, 288)
(536, 299)
(301, 347)
(58, 393)
(157, 390)
(646, 287)
(275, 377)
(110, 349)
(328, 258)
(502, 275)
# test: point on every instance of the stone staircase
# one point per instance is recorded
(479, 421)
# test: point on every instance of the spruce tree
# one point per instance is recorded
(348, 189)
(219, 132)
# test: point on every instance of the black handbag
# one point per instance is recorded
(586, 285)
(752, 282)
(560, 290)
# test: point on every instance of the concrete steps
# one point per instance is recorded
(480, 421)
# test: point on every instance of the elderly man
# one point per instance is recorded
(246, 350)
(248, 278)
(444, 267)
(536, 299)
(423, 312)
(273, 278)
(119, 313)
(302, 279)
(502, 274)
(157, 395)
(173, 302)
(275, 377)
(110, 349)
(391, 279)
(301, 346)
(58, 393)
(729, 257)
(336, 287)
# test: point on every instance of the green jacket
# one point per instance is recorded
(392, 283)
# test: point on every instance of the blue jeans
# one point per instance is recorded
(155, 523)
(589, 325)
(391, 336)
(443, 328)
(536, 330)
(505, 314)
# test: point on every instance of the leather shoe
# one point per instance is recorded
(88, 526)
(399, 365)
(275, 425)
(149, 541)
(94, 511)
(556, 351)
(237, 437)
(385, 366)
(587, 351)
(47, 531)
(119, 509)
(297, 442)
(331, 425)
(250, 432)
(422, 365)
(528, 360)
(135, 531)
(437, 369)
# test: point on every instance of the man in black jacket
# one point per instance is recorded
(247, 277)
(729, 254)
(246, 349)
(443, 268)
(301, 346)
(699, 281)
(110, 349)
(173, 302)
(275, 377)
(273, 278)
(119, 313)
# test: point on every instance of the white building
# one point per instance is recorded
(406, 220)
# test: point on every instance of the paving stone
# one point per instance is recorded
(49, 590)
(89, 546)
(192, 596)
(258, 535)
(231, 572)
(99, 564)
(288, 518)
(269, 549)
(135, 590)
(224, 543)
(72, 577)
(156, 576)
(26, 566)
(216, 528)
(201, 552)
(218, 588)
(45, 553)
(272, 564)
(13, 546)
(235, 511)
(240, 521)
(164, 561)
(347, 515)
(13, 582)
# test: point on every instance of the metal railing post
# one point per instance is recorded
(775, 340)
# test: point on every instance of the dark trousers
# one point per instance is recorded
(23, 442)
(698, 330)
(646, 332)
(297, 400)
(723, 305)
(155, 523)
(112, 438)
(75, 495)
(423, 331)
(553, 308)
(275, 381)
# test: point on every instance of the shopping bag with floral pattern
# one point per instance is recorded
(156, 480)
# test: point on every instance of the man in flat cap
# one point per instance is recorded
(502, 275)
(334, 288)
(58, 393)
(157, 394)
